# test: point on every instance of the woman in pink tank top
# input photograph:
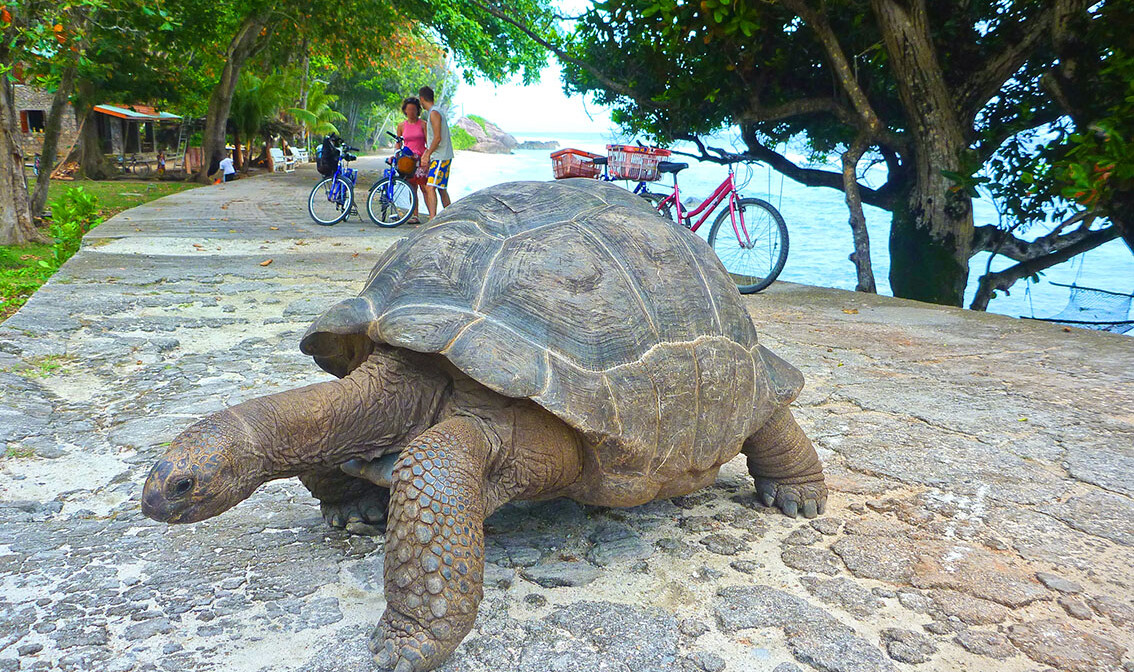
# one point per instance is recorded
(413, 131)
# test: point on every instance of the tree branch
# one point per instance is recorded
(990, 78)
(562, 55)
(997, 241)
(810, 177)
(1003, 280)
(1008, 129)
(844, 73)
(852, 189)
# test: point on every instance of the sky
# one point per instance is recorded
(530, 110)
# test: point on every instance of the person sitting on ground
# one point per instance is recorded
(438, 153)
(412, 130)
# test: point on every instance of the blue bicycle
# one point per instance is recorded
(392, 200)
(332, 200)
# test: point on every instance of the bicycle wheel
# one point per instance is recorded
(391, 205)
(142, 170)
(655, 200)
(757, 263)
(330, 201)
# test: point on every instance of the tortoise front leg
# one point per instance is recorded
(443, 486)
(787, 471)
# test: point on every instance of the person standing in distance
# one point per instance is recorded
(438, 153)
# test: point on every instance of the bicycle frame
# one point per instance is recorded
(334, 194)
(726, 188)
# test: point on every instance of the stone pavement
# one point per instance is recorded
(980, 516)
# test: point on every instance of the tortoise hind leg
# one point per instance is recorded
(787, 471)
(346, 502)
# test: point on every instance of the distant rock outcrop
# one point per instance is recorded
(538, 144)
(490, 138)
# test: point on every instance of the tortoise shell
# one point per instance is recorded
(575, 294)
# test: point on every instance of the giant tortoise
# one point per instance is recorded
(538, 340)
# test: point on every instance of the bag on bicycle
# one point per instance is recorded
(327, 158)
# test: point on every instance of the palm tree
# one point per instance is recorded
(254, 101)
(318, 117)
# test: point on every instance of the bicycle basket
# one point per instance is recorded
(639, 164)
(406, 166)
(573, 163)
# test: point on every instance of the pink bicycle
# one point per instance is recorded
(754, 243)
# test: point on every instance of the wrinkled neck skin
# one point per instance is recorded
(389, 399)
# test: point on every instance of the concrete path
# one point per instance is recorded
(982, 471)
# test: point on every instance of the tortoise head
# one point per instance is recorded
(208, 469)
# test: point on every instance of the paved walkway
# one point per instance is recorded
(980, 518)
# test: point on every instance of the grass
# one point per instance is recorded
(18, 452)
(114, 196)
(26, 268)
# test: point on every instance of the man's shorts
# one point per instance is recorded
(439, 174)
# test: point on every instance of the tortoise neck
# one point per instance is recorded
(386, 401)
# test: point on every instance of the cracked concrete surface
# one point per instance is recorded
(980, 516)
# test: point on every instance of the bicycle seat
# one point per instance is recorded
(671, 167)
(599, 161)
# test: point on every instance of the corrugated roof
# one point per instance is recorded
(136, 113)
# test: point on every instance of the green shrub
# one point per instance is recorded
(71, 217)
(461, 138)
(480, 120)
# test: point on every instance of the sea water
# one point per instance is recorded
(817, 222)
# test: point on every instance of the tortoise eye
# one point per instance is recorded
(182, 487)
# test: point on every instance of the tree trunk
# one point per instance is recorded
(92, 160)
(304, 89)
(16, 224)
(243, 46)
(932, 228)
(861, 254)
(237, 155)
(51, 139)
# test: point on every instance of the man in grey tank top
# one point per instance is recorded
(438, 153)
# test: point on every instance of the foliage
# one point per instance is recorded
(461, 138)
(72, 216)
(966, 86)
(1089, 158)
(480, 120)
(24, 269)
(318, 117)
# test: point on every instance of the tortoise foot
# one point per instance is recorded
(809, 498)
(400, 644)
(365, 515)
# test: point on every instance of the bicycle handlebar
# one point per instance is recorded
(396, 137)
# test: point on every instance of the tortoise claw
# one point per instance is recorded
(808, 498)
(365, 515)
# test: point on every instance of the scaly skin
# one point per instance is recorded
(219, 461)
(446, 483)
(349, 503)
(434, 547)
(787, 471)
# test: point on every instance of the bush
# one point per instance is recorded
(480, 120)
(461, 138)
(71, 217)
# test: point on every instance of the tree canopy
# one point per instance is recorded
(949, 96)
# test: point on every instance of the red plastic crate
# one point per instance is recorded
(639, 164)
(573, 163)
